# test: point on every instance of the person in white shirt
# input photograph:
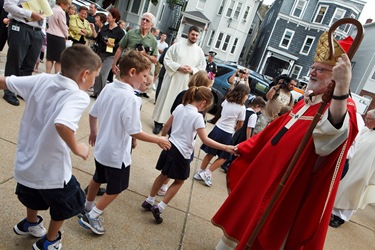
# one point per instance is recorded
(186, 123)
(43, 168)
(232, 119)
(118, 112)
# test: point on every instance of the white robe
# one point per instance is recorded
(357, 188)
(179, 54)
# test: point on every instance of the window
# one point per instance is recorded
(222, 70)
(218, 41)
(322, 10)
(307, 44)
(145, 7)
(221, 8)
(135, 7)
(373, 76)
(162, 12)
(237, 12)
(348, 27)
(230, 8)
(296, 71)
(298, 8)
(201, 4)
(339, 14)
(211, 38)
(246, 13)
(287, 38)
(234, 46)
(226, 42)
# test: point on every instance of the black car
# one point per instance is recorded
(259, 84)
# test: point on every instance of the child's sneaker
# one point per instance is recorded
(206, 178)
(197, 176)
(156, 213)
(44, 244)
(162, 191)
(94, 224)
(146, 206)
(34, 229)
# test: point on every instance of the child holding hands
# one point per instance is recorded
(186, 122)
(43, 168)
(232, 118)
(118, 112)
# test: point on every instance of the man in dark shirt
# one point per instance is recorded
(211, 65)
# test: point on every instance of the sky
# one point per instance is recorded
(367, 12)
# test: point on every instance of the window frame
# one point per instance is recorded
(211, 38)
(226, 42)
(200, 2)
(334, 18)
(219, 40)
(221, 7)
(233, 49)
(292, 74)
(318, 11)
(295, 5)
(304, 45)
(230, 8)
(238, 11)
(284, 37)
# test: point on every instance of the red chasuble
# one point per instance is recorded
(301, 215)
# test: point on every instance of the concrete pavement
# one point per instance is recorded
(186, 220)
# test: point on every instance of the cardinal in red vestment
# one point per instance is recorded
(300, 216)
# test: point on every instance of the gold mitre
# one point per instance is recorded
(322, 49)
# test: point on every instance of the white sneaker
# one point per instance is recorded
(34, 229)
(162, 192)
(207, 178)
(197, 176)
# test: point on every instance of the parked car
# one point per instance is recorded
(259, 84)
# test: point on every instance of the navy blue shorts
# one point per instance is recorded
(173, 164)
(219, 136)
(117, 179)
(63, 203)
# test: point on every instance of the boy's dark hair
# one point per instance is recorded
(77, 58)
(200, 79)
(195, 28)
(257, 101)
(198, 94)
(237, 94)
(133, 59)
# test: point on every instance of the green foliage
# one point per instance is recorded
(154, 2)
(172, 3)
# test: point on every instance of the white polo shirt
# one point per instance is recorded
(231, 113)
(186, 121)
(42, 158)
(118, 111)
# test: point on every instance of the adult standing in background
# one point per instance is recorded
(57, 33)
(140, 39)
(183, 59)
(25, 39)
(91, 18)
(162, 45)
(3, 26)
(211, 65)
(108, 41)
(79, 27)
(357, 188)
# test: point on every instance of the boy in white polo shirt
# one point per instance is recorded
(43, 168)
(117, 110)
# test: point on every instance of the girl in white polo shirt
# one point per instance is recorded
(186, 122)
(232, 118)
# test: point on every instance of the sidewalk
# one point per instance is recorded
(186, 220)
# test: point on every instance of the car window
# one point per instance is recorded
(222, 71)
